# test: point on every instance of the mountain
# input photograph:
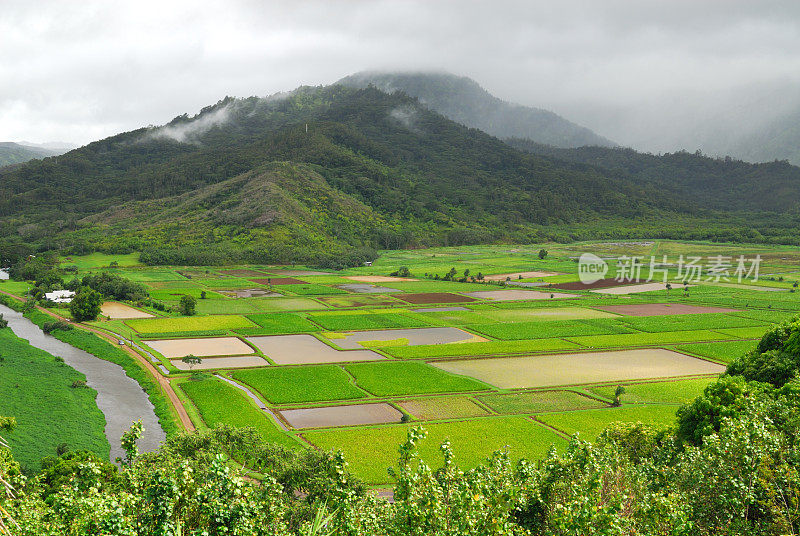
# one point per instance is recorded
(724, 184)
(322, 174)
(15, 153)
(464, 101)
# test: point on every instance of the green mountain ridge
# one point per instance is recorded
(464, 101)
(14, 153)
(321, 171)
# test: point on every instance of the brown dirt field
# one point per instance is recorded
(515, 275)
(305, 349)
(278, 281)
(378, 278)
(243, 273)
(349, 415)
(115, 310)
(222, 362)
(212, 346)
(434, 297)
(514, 295)
(577, 285)
(590, 367)
(658, 309)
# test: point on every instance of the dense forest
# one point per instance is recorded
(326, 175)
(728, 466)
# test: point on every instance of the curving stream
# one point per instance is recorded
(119, 397)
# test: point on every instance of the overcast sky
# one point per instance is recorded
(77, 71)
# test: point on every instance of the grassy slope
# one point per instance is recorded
(36, 390)
(286, 385)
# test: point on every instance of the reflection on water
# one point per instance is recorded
(119, 397)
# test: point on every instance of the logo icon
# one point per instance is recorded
(591, 268)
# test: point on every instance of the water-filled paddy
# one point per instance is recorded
(348, 415)
(170, 348)
(305, 349)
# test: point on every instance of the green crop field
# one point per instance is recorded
(349, 321)
(371, 451)
(278, 324)
(649, 339)
(220, 403)
(545, 330)
(725, 351)
(591, 422)
(475, 416)
(37, 391)
(189, 323)
(481, 348)
(691, 322)
(670, 392)
(292, 385)
(387, 378)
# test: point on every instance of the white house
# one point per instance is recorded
(60, 296)
(4, 274)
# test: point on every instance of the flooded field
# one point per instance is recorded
(170, 348)
(305, 349)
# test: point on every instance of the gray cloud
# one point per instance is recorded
(79, 71)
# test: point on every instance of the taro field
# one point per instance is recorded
(512, 352)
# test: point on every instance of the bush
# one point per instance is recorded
(86, 304)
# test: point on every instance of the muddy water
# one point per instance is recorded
(119, 397)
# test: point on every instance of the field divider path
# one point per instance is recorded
(260, 403)
(162, 381)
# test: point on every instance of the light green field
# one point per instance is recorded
(152, 275)
(481, 348)
(650, 339)
(220, 403)
(308, 290)
(391, 378)
(671, 392)
(745, 333)
(348, 321)
(256, 305)
(544, 330)
(725, 351)
(278, 324)
(189, 323)
(291, 385)
(371, 450)
(177, 293)
(590, 423)
(100, 260)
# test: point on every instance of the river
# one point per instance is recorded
(119, 397)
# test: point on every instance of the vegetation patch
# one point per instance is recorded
(725, 351)
(650, 339)
(370, 451)
(590, 423)
(671, 392)
(189, 323)
(292, 385)
(481, 348)
(50, 402)
(350, 321)
(390, 378)
(544, 330)
(220, 403)
(691, 322)
(278, 324)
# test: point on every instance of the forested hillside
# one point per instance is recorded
(15, 153)
(716, 183)
(326, 172)
(464, 101)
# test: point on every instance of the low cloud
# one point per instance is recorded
(190, 130)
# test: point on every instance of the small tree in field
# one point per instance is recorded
(85, 305)
(542, 253)
(187, 305)
(191, 360)
(618, 392)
